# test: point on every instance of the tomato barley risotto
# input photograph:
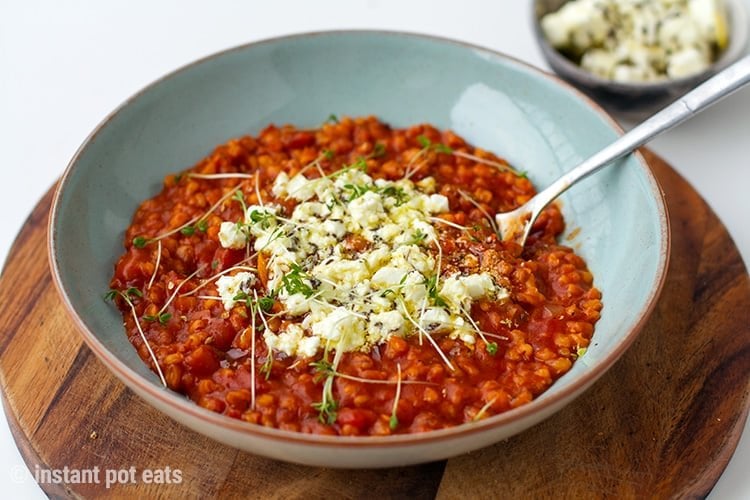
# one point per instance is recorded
(350, 280)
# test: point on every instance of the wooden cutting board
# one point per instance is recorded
(663, 422)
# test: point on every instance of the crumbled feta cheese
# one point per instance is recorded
(231, 235)
(382, 325)
(354, 300)
(231, 286)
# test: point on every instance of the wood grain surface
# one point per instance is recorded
(662, 423)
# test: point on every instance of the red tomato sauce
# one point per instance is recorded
(401, 386)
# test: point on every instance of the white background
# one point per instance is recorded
(65, 65)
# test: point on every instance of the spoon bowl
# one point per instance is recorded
(516, 224)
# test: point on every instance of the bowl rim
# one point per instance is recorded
(738, 18)
(181, 404)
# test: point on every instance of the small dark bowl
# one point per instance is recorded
(637, 101)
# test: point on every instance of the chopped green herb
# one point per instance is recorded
(523, 175)
(357, 190)
(293, 282)
(431, 284)
(262, 217)
(332, 118)
(397, 193)
(133, 291)
(202, 226)
(139, 242)
(424, 141)
(188, 230)
(378, 150)
(266, 303)
(417, 237)
(110, 295)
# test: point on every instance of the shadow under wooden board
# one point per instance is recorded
(662, 422)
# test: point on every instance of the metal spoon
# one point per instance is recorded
(516, 224)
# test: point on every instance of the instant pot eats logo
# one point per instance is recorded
(97, 475)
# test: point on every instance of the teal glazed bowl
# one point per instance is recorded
(617, 218)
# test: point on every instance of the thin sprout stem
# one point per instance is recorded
(145, 340)
(483, 410)
(252, 357)
(262, 317)
(156, 265)
(229, 175)
(448, 223)
(384, 382)
(194, 219)
(473, 323)
(500, 166)
(471, 200)
(398, 391)
(218, 275)
(176, 290)
(257, 189)
(429, 337)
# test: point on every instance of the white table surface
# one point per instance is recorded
(65, 65)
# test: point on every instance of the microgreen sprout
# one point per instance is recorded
(393, 421)
(327, 407)
(162, 318)
(332, 118)
(491, 348)
(126, 296)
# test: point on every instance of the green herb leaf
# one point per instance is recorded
(332, 118)
(357, 190)
(397, 193)
(293, 282)
(214, 264)
(442, 148)
(266, 303)
(110, 295)
(133, 291)
(523, 175)
(148, 318)
(491, 348)
(424, 141)
(431, 284)
(139, 242)
(164, 318)
(328, 154)
(378, 150)
(202, 226)
(188, 230)
(417, 237)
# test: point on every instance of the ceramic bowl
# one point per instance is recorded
(638, 101)
(534, 120)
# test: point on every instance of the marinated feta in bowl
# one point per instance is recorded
(636, 41)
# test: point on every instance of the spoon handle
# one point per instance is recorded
(721, 85)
